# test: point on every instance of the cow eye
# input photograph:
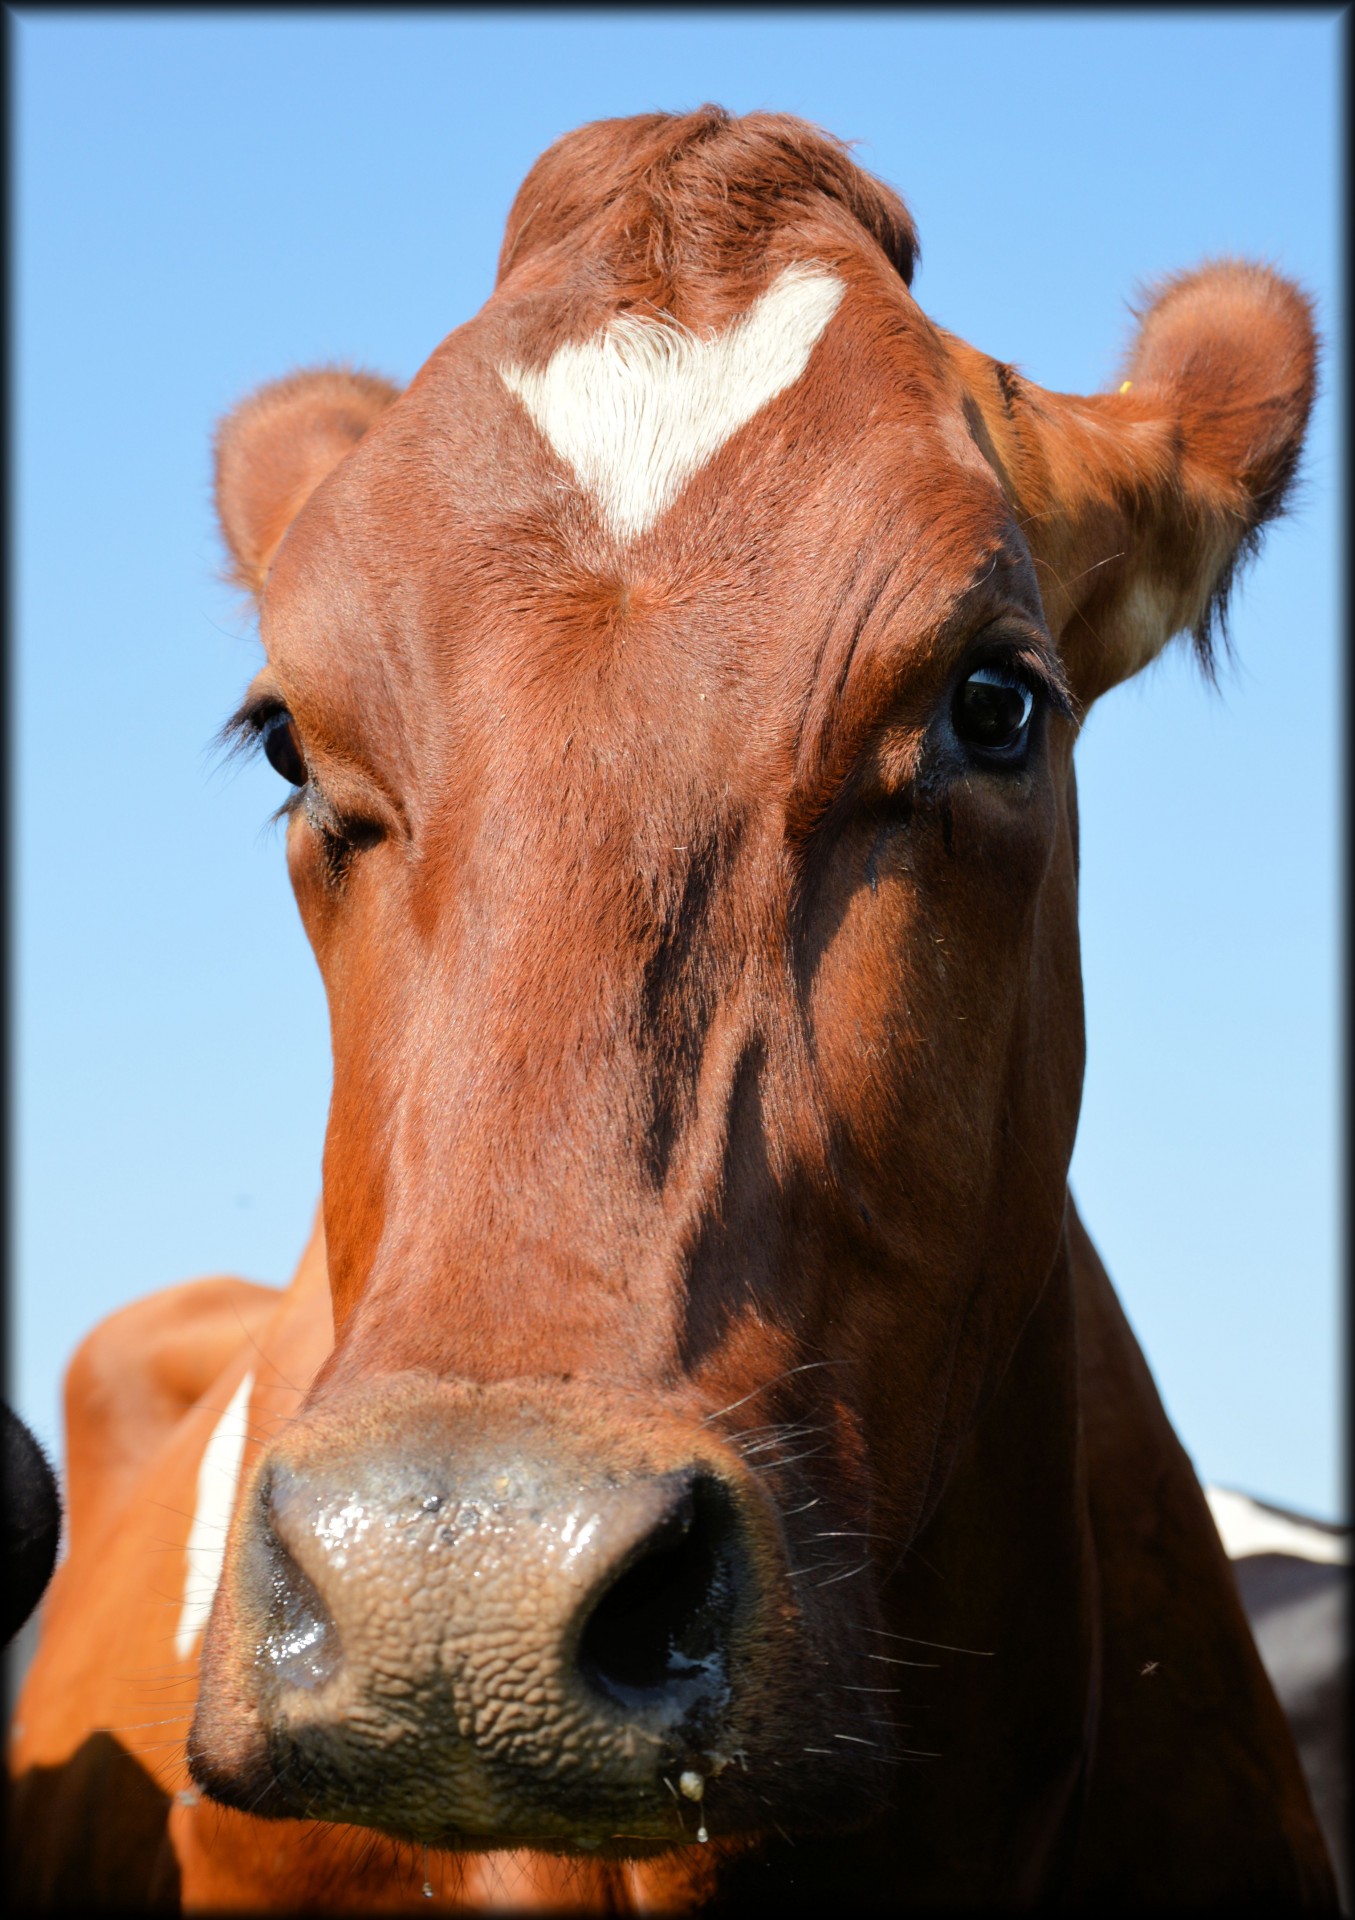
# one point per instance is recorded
(992, 712)
(277, 736)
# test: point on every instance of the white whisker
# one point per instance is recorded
(767, 1387)
(981, 1653)
(847, 1575)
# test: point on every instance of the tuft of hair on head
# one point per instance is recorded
(702, 189)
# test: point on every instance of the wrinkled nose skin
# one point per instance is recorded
(466, 1614)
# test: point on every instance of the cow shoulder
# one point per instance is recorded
(135, 1376)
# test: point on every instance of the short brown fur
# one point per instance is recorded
(707, 1056)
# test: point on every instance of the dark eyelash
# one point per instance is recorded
(242, 734)
(1041, 673)
(241, 738)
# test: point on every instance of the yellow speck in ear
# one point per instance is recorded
(1126, 386)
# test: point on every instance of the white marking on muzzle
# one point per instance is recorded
(1246, 1528)
(218, 1478)
(643, 406)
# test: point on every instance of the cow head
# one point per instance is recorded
(677, 685)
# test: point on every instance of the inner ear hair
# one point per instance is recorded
(1139, 504)
(1232, 347)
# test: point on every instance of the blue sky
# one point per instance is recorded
(204, 201)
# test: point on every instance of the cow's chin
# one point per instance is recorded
(464, 1815)
(473, 1645)
(449, 1797)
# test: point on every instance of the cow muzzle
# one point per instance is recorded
(470, 1614)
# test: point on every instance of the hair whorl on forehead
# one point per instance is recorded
(674, 194)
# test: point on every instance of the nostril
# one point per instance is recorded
(300, 1645)
(302, 1642)
(657, 1636)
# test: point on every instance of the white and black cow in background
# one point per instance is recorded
(1293, 1575)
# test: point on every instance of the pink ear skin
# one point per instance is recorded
(276, 447)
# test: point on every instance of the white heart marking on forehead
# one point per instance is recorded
(642, 407)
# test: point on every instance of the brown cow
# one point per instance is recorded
(726, 1439)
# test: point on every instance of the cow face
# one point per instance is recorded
(677, 687)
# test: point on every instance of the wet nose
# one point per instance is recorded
(626, 1592)
(475, 1641)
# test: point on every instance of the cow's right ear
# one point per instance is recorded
(275, 448)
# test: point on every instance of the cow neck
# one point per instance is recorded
(1006, 1569)
(1178, 1657)
(997, 1601)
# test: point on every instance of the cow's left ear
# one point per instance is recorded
(1138, 504)
(277, 446)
